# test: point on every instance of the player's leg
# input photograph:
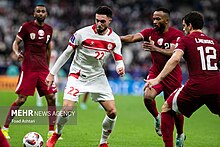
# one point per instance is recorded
(50, 98)
(62, 119)
(167, 125)
(108, 122)
(169, 111)
(52, 110)
(15, 106)
(39, 102)
(84, 100)
(178, 120)
(3, 140)
(150, 104)
(26, 87)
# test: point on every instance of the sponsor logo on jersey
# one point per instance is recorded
(32, 36)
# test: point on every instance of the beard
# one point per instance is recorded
(40, 20)
(161, 28)
(100, 31)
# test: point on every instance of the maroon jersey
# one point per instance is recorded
(164, 41)
(35, 39)
(202, 55)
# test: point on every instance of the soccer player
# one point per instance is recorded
(202, 55)
(92, 45)
(36, 36)
(160, 41)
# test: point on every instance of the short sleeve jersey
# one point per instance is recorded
(35, 39)
(164, 41)
(199, 47)
(92, 50)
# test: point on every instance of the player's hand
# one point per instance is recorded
(20, 56)
(149, 45)
(150, 83)
(121, 71)
(49, 80)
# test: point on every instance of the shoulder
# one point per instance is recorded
(176, 31)
(49, 27)
(27, 24)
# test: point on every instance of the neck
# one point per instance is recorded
(198, 30)
(39, 23)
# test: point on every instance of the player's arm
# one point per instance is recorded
(170, 65)
(58, 64)
(48, 52)
(117, 55)
(131, 38)
(149, 46)
(15, 48)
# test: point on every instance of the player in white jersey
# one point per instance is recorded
(92, 45)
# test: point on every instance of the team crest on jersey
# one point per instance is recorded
(160, 41)
(41, 33)
(110, 46)
(32, 36)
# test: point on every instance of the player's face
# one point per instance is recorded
(102, 23)
(186, 29)
(40, 13)
(160, 21)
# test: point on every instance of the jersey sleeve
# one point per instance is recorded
(117, 54)
(180, 45)
(145, 33)
(22, 31)
(74, 40)
(178, 35)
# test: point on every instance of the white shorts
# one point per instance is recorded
(98, 88)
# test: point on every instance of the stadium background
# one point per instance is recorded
(130, 16)
(134, 126)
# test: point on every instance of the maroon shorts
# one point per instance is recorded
(188, 99)
(168, 85)
(28, 81)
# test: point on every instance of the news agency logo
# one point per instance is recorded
(36, 115)
(39, 113)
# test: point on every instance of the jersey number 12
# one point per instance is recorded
(206, 59)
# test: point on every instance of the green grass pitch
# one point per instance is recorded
(134, 127)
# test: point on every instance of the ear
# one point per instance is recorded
(190, 27)
(110, 20)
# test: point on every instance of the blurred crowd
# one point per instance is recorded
(130, 16)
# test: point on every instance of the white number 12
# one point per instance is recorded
(206, 61)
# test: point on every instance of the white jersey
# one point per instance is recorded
(91, 51)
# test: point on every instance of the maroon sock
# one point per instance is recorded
(167, 127)
(179, 121)
(9, 116)
(151, 107)
(3, 140)
(52, 117)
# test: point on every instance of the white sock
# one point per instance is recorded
(107, 127)
(4, 128)
(61, 121)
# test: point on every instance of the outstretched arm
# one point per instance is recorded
(59, 63)
(131, 38)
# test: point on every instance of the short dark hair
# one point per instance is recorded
(163, 10)
(194, 18)
(104, 10)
